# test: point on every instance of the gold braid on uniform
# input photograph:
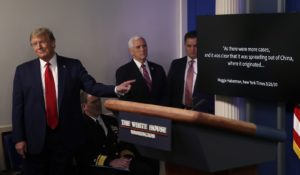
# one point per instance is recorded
(100, 160)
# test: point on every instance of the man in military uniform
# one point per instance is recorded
(102, 148)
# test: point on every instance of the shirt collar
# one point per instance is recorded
(139, 64)
(189, 59)
(93, 118)
(53, 61)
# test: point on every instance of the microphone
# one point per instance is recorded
(203, 103)
(197, 101)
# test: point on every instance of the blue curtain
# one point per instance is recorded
(196, 8)
(292, 6)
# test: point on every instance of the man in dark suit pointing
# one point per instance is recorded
(46, 115)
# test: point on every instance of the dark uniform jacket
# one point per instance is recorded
(100, 149)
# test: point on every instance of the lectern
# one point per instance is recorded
(205, 144)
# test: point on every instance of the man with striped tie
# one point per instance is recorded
(183, 89)
(151, 82)
(150, 85)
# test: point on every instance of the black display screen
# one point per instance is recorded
(250, 55)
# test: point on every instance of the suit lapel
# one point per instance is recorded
(196, 85)
(37, 78)
(153, 72)
(181, 73)
(137, 72)
(61, 79)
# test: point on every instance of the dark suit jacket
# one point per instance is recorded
(28, 113)
(139, 91)
(201, 101)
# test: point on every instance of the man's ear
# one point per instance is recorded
(82, 107)
(53, 44)
(130, 51)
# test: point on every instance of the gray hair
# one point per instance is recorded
(130, 42)
(42, 31)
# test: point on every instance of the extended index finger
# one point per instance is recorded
(129, 82)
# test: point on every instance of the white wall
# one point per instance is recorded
(95, 31)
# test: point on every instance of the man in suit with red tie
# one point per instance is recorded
(151, 82)
(183, 89)
(46, 115)
(150, 85)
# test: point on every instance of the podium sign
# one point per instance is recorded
(152, 132)
(202, 142)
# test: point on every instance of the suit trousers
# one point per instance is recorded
(54, 159)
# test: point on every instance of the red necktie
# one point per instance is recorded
(50, 95)
(147, 77)
(189, 84)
